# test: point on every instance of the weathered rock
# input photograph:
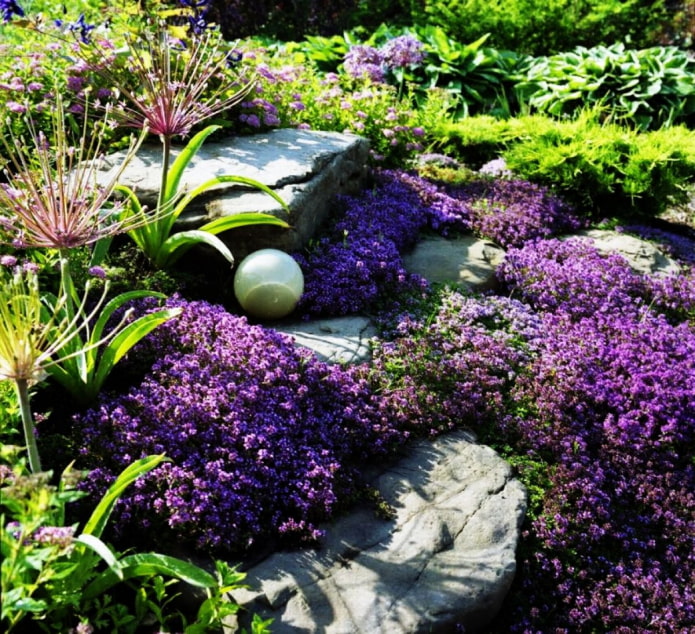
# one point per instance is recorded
(466, 259)
(305, 168)
(335, 340)
(642, 256)
(447, 557)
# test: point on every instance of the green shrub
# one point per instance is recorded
(539, 27)
(602, 168)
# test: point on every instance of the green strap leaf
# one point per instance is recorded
(104, 551)
(183, 159)
(114, 304)
(176, 245)
(148, 565)
(125, 340)
(218, 180)
(225, 223)
(100, 516)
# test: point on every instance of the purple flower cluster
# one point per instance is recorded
(573, 276)
(263, 438)
(373, 63)
(585, 374)
(610, 402)
(510, 212)
(8, 8)
(403, 51)
(365, 61)
(359, 262)
(454, 369)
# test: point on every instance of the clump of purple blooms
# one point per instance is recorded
(585, 375)
(373, 63)
(573, 276)
(263, 438)
(9, 8)
(359, 261)
(609, 402)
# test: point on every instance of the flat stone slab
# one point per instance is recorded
(445, 558)
(306, 168)
(640, 254)
(335, 340)
(466, 259)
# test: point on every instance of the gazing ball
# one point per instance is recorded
(268, 284)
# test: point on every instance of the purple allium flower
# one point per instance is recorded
(364, 61)
(176, 89)
(403, 51)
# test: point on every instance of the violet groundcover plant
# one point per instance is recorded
(579, 379)
(610, 400)
(359, 260)
(264, 439)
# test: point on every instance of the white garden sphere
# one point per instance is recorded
(268, 284)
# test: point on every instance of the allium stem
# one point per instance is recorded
(166, 156)
(22, 389)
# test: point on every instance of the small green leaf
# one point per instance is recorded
(176, 245)
(100, 548)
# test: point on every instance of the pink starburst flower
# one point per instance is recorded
(179, 85)
(51, 197)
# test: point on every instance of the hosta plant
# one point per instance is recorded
(646, 88)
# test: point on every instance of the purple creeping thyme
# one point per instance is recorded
(359, 261)
(611, 401)
(572, 276)
(510, 212)
(678, 246)
(263, 438)
(453, 369)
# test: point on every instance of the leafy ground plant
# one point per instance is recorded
(646, 89)
(60, 577)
